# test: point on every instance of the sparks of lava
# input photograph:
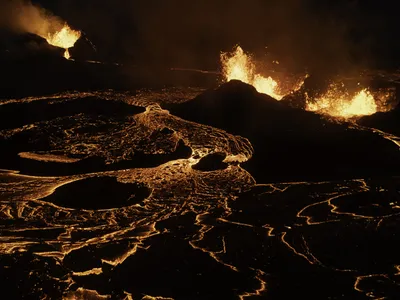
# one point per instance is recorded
(239, 66)
(64, 38)
(339, 104)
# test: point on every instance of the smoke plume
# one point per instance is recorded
(317, 34)
(25, 17)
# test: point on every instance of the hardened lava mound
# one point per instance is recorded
(291, 144)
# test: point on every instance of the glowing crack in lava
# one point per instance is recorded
(339, 104)
(64, 38)
(239, 66)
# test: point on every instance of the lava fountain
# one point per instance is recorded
(336, 102)
(64, 38)
(341, 104)
(239, 66)
(31, 18)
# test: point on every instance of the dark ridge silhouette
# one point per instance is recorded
(14, 115)
(289, 143)
(238, 108)
(41, 70)
(386, 121)
(98, 193)
(211, 162)
(313, 86)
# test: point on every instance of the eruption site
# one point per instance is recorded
(135, 180)
(335, 102)
(239, 65)
(27, 17)
(339, 104)
(64, 38)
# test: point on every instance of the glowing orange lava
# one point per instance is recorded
(64, 38)
(341, 104)
(240, 66)
(337, 102)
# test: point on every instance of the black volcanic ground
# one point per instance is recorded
(183, 193)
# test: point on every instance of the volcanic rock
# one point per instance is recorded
(289, 143)
(98, 193)
(386, 121)
(211, 162)
(17, 114)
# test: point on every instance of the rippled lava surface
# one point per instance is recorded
(107, 196)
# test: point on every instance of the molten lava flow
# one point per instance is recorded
(66, 54)
(64, 38)
(239, 66)
(339, 104)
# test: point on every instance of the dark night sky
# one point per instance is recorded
(180, 33)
